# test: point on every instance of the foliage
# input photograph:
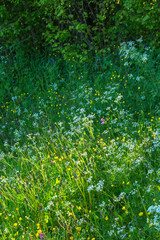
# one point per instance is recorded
(76, 29)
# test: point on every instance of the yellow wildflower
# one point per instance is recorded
(141, 214)
(78, 228)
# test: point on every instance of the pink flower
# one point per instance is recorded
(41, 234)
(102, 119)
(102, 122)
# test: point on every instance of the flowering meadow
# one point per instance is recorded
(80, 146)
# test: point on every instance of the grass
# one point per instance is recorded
(80, 147)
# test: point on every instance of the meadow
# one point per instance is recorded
(80, 146)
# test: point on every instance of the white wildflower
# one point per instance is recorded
(90, 188)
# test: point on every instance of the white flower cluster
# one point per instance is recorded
(155, 209)
(130, 52)
(98, 187)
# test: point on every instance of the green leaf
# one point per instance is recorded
(145, 19)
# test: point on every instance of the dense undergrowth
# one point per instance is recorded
(80, 146)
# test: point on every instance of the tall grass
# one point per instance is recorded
(80, 146)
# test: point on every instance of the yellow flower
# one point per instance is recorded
(70, 214)
(123, 140)
(20, 219)
(39, 231)
(93, 239)
(15, 224)
(154, 200)
(127, 183)
(148, 213)
(123, 208)
(106, 218)
(78, 228)
(71, 238)
(16, 234)
(57, 181)
(53, 229)
(0, 214)
(141, 214)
